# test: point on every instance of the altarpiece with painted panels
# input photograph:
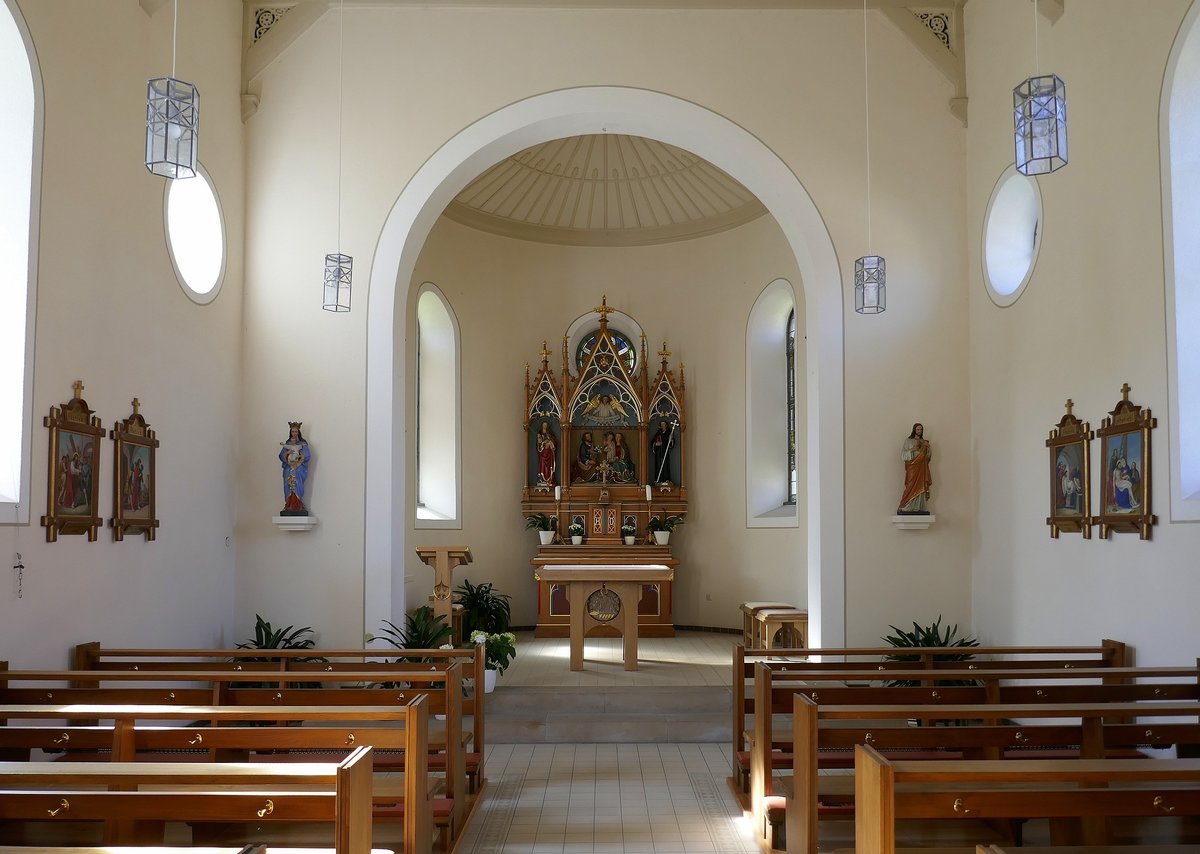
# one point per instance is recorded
(605, 452)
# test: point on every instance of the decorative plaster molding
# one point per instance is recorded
(295, 523)
(913, 523)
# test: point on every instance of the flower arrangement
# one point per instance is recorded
(575, 529)
(501, 648)
(628, 529)
(668, 523)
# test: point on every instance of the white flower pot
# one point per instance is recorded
(577, 541)
(489, 681)
(661, 537)
(629, 541)
(546, 537)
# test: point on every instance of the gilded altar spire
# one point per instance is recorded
(544, 353)
(604, 309)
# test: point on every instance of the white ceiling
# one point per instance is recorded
(604, 190)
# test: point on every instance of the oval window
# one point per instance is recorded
(196, 235)
(1011, 236)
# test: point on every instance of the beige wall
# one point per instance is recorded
(767, 71)
(111, 313)
(1091, 319)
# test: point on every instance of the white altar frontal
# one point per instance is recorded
(604, 595)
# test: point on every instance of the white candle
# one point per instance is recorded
(558, 493)
(648, 496)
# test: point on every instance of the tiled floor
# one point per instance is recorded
(611, 798)
(689, 658)
(607, 799)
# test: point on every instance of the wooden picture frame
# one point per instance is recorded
(134, 450)
(1125, 470)
(1070, 476)
(73, 474)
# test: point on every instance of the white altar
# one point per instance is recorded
(604, 595)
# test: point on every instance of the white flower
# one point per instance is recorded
(479, 637)
(446, 646)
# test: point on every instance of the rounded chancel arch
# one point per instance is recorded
(591, 110)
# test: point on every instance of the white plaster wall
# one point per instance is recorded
(111, 313)
(696, 295)
(415, 77)
(1091, 319)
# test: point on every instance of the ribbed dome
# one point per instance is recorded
(604, 190)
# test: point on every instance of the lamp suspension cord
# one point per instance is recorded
(867, 115)
(341, 96)
(174, 33)
(1037, 56)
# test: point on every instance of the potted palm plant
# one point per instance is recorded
(628, 531)
(483, 608)
(661, 527)
(544, 525)
(576, 532)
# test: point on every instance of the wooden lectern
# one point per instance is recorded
(443, 559)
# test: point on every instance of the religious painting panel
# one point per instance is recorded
(1125, 457)
(134, 447)
(605, 456)
(1070, 476)
(73, 475)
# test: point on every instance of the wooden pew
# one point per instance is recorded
(92, 656)
(865, 662)
(1044, 725)
(441, 682)
(113, 793)
(333, 727)
(1074, 788)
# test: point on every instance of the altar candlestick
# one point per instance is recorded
(558, 493)
(648, 495)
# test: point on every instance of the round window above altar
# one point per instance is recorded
(626, 352)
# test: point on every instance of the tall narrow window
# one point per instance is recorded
(791, 406)
(1181, 215)
(19, 168)
(773, 364)
(437, 412)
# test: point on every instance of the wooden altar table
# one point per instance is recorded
(591, 582)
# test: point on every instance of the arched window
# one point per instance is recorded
(20, 166)
(1181, 215)
(791, 406)
(773, 362)
(437, 427)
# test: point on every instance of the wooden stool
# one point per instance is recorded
(791, 621)
(749, 609)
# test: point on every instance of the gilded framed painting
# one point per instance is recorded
(1070, 476)
(1125, 457)
(134, 447)
(73, 475)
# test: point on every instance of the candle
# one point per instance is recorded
(558, 493)
(648, 496)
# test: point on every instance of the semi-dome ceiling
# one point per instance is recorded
(604, 190)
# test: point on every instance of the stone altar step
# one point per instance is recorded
(519, 715)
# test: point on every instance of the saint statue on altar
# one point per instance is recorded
(547, 455)
(294, 455)
(661, 444)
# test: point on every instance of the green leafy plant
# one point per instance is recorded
(267, 636)
(483, 608)
(929, 636)
(665, 523)
(423, 629)
(540, 522)
(575, 529)
(501, 648)
(628, 529)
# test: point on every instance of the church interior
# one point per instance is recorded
(604, 272)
